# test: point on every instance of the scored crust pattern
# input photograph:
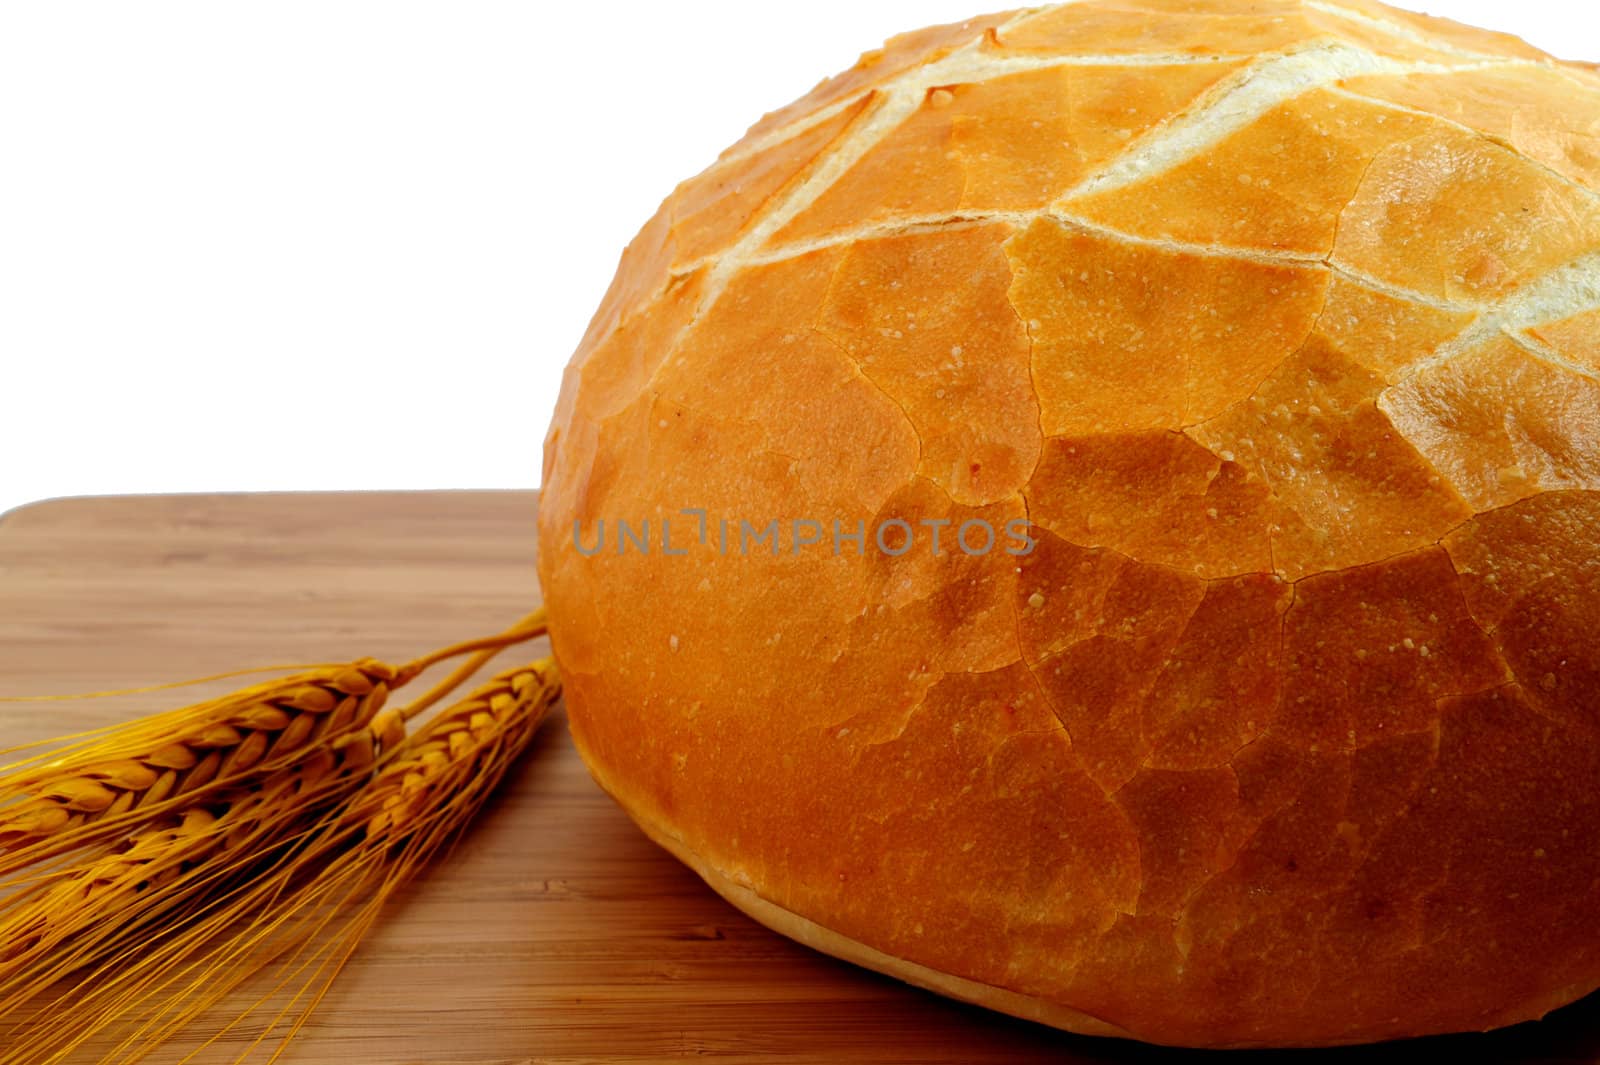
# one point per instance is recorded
(1280, 334)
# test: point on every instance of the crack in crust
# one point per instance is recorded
(1229, 107)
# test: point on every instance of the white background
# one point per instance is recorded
(308, 245)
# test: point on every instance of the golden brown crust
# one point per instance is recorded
(898, 54)
(1276, 320)
(826, 940)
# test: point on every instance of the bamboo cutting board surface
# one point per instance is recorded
(556, 932)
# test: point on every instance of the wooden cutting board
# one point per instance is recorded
(556, 933)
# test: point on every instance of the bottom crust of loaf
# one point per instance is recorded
(803, 930)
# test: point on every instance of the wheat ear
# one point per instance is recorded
(96, 789)
(85, 791)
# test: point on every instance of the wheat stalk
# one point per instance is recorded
(297, 868)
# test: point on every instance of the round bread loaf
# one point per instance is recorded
(1096, 511)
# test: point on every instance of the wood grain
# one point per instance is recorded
(556, 933)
